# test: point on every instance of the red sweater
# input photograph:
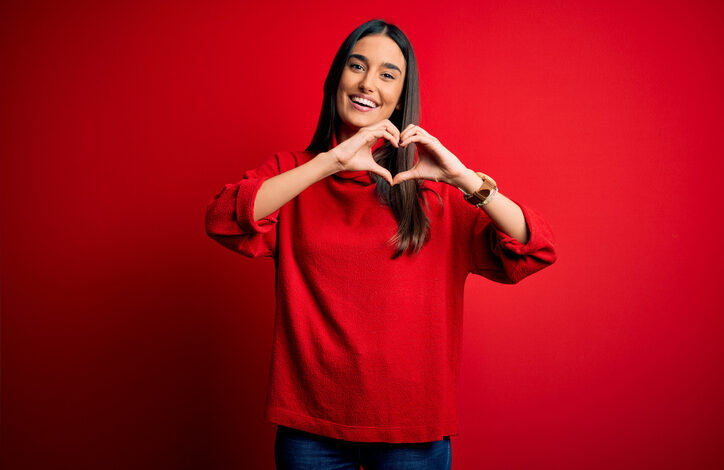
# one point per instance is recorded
(367, 348)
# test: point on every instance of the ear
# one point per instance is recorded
(399, 106)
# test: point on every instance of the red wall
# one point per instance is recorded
(131, 340)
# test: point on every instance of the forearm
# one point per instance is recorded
(504, 212)
(282, 188)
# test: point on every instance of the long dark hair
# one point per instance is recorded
(413, 225)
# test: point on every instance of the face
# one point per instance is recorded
(371, 83)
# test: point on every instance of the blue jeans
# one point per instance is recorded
(301, 450)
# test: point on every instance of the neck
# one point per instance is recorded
(343, 133)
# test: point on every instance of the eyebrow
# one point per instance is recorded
(364, 59)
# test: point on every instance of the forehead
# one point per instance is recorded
(380, 49)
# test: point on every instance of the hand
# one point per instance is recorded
(355, 153)
(434, 162)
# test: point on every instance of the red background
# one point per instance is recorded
(131, 340)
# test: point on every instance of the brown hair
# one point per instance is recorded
(404, 199)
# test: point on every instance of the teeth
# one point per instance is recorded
(363, 101)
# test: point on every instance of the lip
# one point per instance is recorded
(367, 97)
(360, 108)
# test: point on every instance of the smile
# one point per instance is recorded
(362, 104)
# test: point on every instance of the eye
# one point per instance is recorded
(356, 65)
(388, 75)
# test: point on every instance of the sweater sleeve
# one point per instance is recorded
(501, 258)
(230, 214)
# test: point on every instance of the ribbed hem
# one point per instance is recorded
(393, 434)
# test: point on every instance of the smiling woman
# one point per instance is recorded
(370, 275)
(371, 84)
(376, 62)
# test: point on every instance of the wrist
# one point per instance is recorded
(467, 180)
(484, 194)
(328, 162)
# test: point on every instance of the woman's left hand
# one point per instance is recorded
(435, 162)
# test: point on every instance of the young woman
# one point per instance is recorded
(370, 269)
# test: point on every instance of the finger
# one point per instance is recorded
(423, 131)
(386, 125)
(390, 123)
(391, 138)
(375, 135)
(408, 130)
(414, 138)
(393, 130)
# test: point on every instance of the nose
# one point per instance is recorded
(364, 84)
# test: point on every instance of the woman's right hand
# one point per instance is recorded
(355, 153)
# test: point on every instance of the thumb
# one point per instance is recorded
(403, 176)
(383, 172)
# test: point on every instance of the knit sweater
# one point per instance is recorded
(365, 347)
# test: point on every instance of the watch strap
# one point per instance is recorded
(485, 194)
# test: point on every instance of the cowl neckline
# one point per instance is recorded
(361, 176)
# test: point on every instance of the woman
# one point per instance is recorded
(369, 271)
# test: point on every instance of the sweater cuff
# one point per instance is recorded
(245, 198)
(535, 241)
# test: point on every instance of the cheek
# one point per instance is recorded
(344, 81)
(340, 99)
(341, 93)
(394, 97)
